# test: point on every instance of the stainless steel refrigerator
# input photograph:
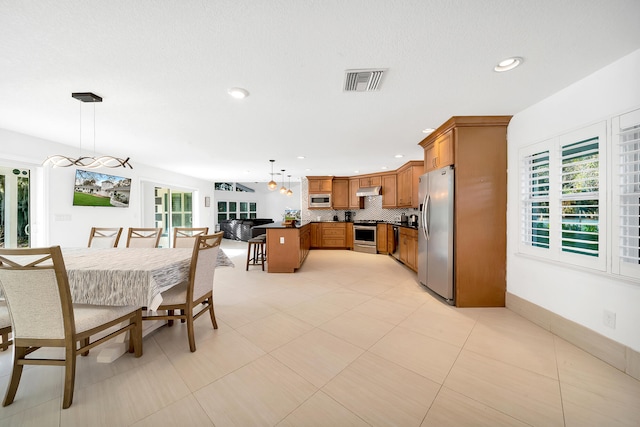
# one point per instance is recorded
(435, 233)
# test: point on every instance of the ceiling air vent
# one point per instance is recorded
(363, 80)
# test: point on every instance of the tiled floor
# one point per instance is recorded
(349, 340)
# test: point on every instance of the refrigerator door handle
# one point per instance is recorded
(425, 216)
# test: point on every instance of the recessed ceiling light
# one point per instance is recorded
(301, 157)
(238, 92)
(508, 64)
(428, 130)
(383, 167)
(356, 171)
(399, 156)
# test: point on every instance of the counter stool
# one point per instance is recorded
(256, 251)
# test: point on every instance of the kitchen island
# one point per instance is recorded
(287, 245)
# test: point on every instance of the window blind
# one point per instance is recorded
(629, 181)
(535, 226)
(580, 199)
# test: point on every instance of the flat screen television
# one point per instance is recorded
(99, 189)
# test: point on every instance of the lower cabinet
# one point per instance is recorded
(331, 235)
(408, 242)
(381, 238)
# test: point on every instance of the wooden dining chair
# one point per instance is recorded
(101, 237)
(36, 287)
(185, 237)
(197, 292)
(5, 326)
(144, 237)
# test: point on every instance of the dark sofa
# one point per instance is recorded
(240, 229)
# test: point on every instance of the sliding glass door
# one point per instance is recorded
(14, 208)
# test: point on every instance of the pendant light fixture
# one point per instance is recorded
(89, 162)
(272, 184)
(289, 192)
(283, 189)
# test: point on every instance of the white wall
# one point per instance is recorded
(578, 295)
(270, 204)
(55, 221)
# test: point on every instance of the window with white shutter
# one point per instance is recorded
(535, 206)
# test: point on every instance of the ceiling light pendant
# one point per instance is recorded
(238, 92)
(283, 189)
(508, 64)
(272, 184)
(289, 192)
(88, 162)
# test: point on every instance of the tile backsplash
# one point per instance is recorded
(372, 209)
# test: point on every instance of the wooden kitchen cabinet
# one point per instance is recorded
(408, 176)
(389, 191)
(479, 144)
(371, 181)
(334, 235)
(381, 238)
(408, 242)
(349, 230)
(355, 202)
(316, 237)
(305, 243)
(391, 240)
(320, 184)
(340, 193)
(440, 152)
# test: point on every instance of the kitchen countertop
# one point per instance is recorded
(300, 224)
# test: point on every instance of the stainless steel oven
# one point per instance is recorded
(364, 237)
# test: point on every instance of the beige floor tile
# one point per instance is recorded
(316, 312)
(595, 393)
(424, 355)
(451, 409)
(259, 394)
(214, 358)
(317, 356)
(38, 384)
(357, 329)
(346, 298)
(321, 410)
(518, 343)
(448, 327)
(243, 312)
(46, 414)
(383, 393)
(185, 412)
(283, 299)
(127, 397)
(526, 396)
(384, 310)
(274, 330)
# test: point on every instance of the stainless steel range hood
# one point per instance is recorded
(368, 191)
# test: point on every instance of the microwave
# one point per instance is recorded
(319, 200)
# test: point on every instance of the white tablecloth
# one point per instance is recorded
(124, 276)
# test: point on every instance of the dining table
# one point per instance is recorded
(125, 276)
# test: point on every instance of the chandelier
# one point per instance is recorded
(88, 162)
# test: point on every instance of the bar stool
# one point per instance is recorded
(256, 251)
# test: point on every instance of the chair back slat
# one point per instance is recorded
(101, 237)
(35, 285)
(203, 265)
(144, 237)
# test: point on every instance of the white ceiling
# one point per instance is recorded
(164, 67)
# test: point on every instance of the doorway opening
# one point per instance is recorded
(14, 207)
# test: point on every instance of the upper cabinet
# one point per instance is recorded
(407, 184)
(438, 152)
(389, 191)
(340, 193)
(371, 181)
(320, 184)
(355, 202)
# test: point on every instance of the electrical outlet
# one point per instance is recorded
(282, 240)
(609, 319)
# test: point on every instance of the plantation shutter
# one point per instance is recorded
(629, 150)
(535, 209)
(580, 200)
